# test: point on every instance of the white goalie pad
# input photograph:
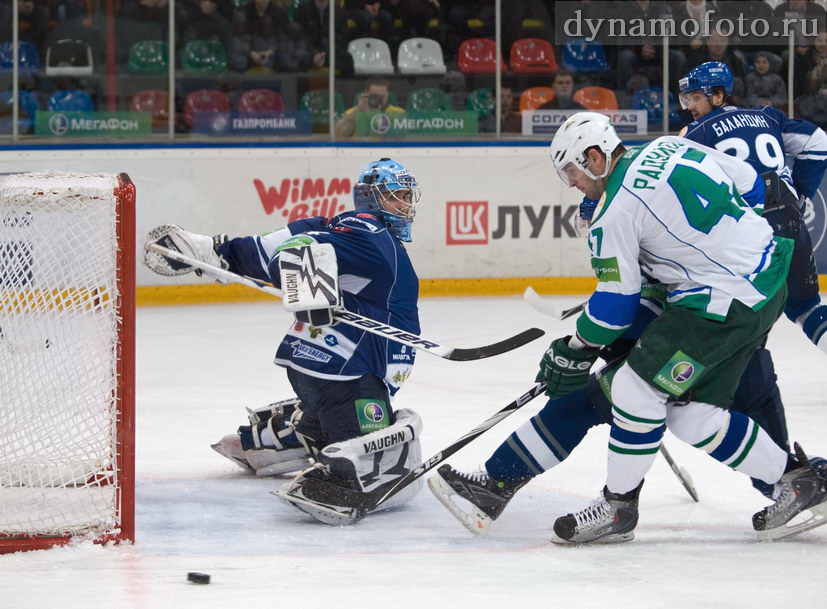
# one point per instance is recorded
(309, 276)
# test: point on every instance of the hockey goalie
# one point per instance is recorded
(340, 430)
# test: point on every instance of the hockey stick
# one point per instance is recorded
(537, 303)
(364, 323)
(378, 498)
(681, 473)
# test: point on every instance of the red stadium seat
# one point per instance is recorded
(204, 100)
(478, 56)
(260, 100)
(596, 98)
(535, 96)
(154, 101)
(533, 56)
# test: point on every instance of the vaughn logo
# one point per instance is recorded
(297, 198)
(466, 222)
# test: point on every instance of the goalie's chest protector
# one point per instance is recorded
(378, 281)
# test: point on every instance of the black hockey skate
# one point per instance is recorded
(487, 497)
(610, 518)
(800, 502)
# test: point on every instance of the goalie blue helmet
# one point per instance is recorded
(389, 190)
(705, 78)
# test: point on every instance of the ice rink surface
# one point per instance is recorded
(198, 367)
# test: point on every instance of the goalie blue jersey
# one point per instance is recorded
(763, 137)
(377, 280)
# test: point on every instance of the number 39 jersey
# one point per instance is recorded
(682, 214)
(762, 137)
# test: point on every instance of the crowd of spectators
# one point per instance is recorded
(292, 36)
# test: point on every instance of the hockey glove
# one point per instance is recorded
(310, 280)
(564, 368)
(200, 247)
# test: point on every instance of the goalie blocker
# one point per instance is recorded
(310, 280)
(340, 488)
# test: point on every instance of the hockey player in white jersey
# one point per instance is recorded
(683, 214)
(340, 430)
(763, 137)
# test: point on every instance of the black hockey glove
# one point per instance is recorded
(564, 368)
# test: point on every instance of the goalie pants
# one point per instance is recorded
(334, 411)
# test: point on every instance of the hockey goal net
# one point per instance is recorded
(67, 310)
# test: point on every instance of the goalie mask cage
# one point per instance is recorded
(67, 364)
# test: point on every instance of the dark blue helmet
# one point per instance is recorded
(705, 78)
(375, 190)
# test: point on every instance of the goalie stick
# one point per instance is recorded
(536, 301)
(378, 498)
(365, 323)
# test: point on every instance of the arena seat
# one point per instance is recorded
(260, 100)
(651, 100)
(28, 106)
(28, 58)
(535, 96)
(148, 57)
(316, 102)
(596, 98)
(370, 56)
(584, 57)
(428, 99)
(478, 56)
(481, 101)
(420, 56)
(69, 58)
(154, 101)
(532, 56)
(204, 56)
(71, 100)
(204, 100)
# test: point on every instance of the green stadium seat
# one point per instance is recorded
(204, 56)
(317, 103)
(481, 101)
(428, 100)
(148, 57)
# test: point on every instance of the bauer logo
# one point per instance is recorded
(466, 222)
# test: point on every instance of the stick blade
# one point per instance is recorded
(509, 344)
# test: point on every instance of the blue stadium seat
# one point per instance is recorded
(71, 100)
(28, 58)
(28, 105)
(651, 100)
(584, 57)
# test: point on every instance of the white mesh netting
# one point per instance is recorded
(58, 354)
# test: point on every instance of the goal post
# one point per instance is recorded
(67, 359)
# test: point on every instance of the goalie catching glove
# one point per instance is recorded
(173, 237)
(309, 276)
(565, 368)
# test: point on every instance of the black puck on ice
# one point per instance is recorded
(198, 578)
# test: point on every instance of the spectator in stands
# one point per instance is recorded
(466, 19)
(257, 27)
(33, 22)
(563, 85)
(312, 17)
(148, 11)
(764, 88)
(511, 120)
(206, 22)
(690, 19)
(715, 47)
(373, 99)
(370, 18)
(64, 11)
(641, 57)
(814, 64)
(415, 15)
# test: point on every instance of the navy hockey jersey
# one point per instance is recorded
(762, 137)
(377, 280)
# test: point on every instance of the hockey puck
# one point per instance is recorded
(198, 578)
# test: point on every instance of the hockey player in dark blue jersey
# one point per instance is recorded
(341, 423)
(762, 137)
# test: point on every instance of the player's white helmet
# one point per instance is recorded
(579, 133)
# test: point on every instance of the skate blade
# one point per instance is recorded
(608, 539)
(322, 513)
(242, 463)
(475, 521)
(810, 518)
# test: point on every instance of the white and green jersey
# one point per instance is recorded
(688, 216)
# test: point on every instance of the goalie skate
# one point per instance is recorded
(800, 502)
(484, 497)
